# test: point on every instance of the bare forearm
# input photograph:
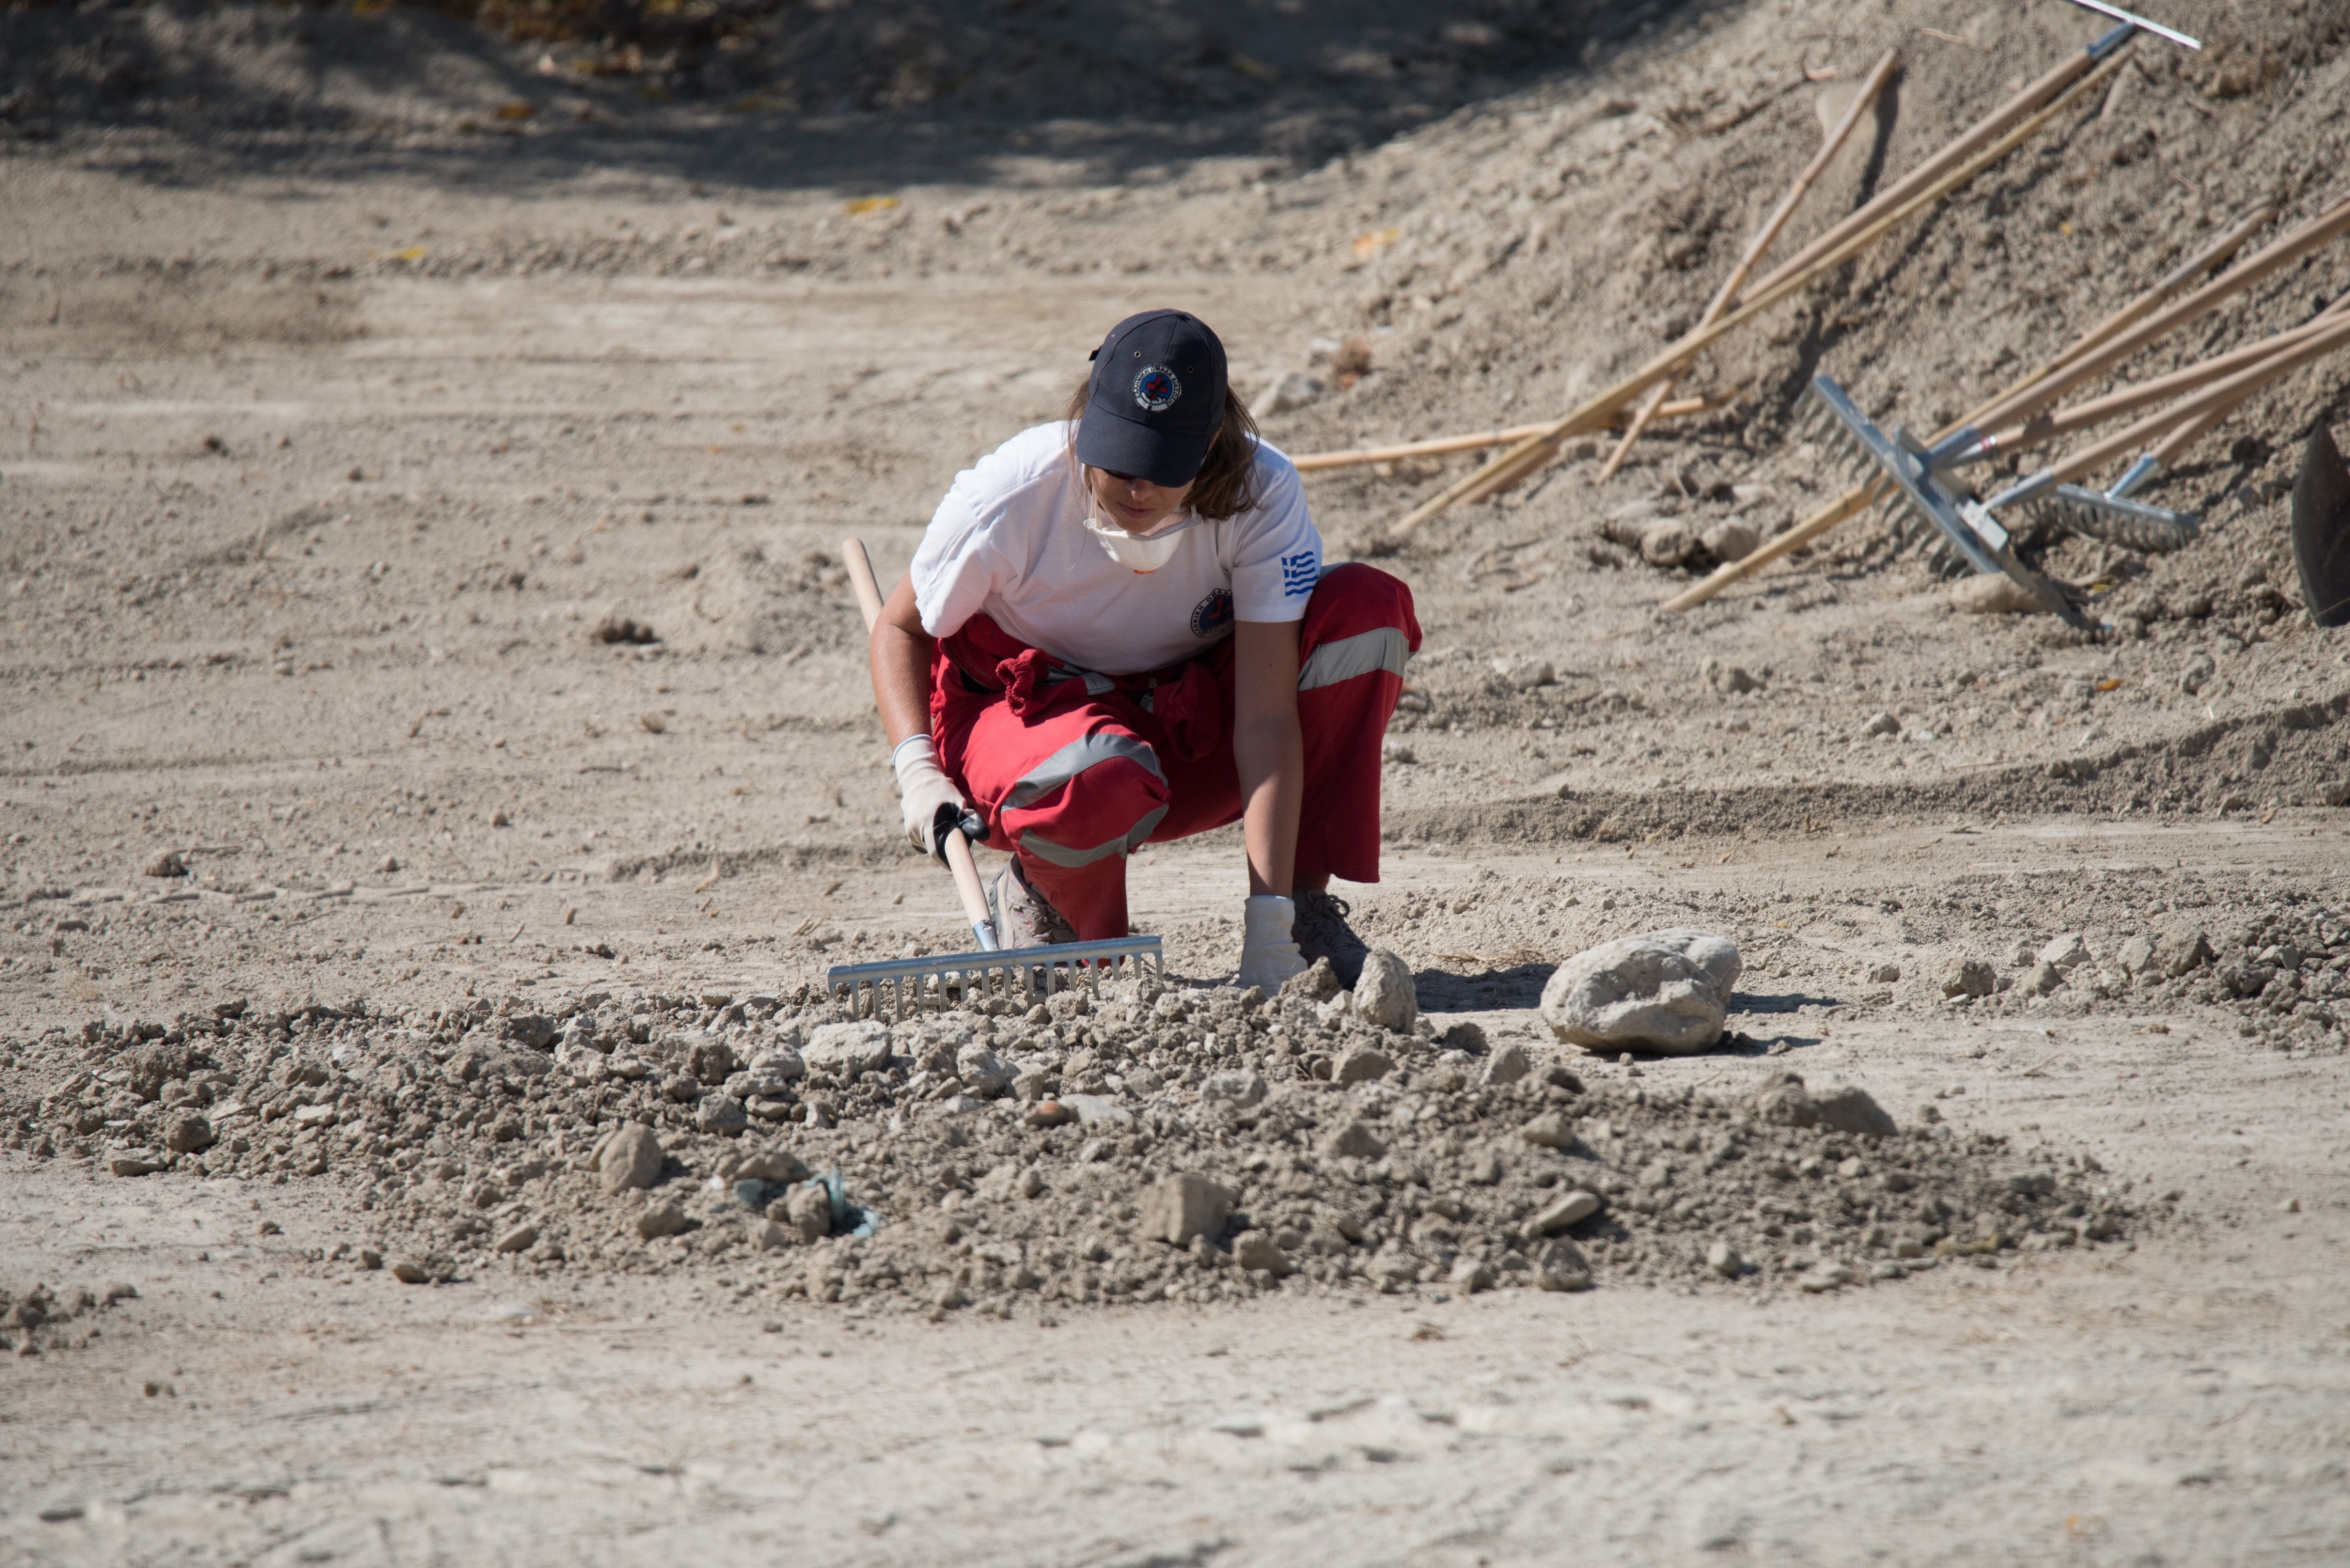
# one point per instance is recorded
(901, 658)
(1271, 758)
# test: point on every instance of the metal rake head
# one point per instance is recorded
(898, 987)
(1869, 453)
(2099, 514)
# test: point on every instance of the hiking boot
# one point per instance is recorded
(1022, 919)
(1322, 932)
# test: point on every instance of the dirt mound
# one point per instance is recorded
(995, 1158)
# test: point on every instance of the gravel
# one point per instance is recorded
(1189, 1144)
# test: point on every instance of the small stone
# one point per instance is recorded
(1885, 974)
(1732, 539)
(771, 1237)
(806, 1209)
(1570, 1211)
(848, 1050)
(983, 1073)
(1729, 680)
(2180, 952)
(1464, 1035)
(1029, 1087)
(2044, 979)
(1660, 991)
(1827, 1277)
(1970, 976)
(1234, 1091)
(1361, 1065)
(1507, 1066)
(169, 863)
(1550, 1130)
(2198, 674)
(1318, 984)
(1668, 542)
(711, 1060)
(1882, 723)
(777, 1165)
(408, 1272)
(1384, 995)
(520, 1239)
(1723, 1260)
(721, 1114)
(1784, 1100)
(661, 1219)
(631, 1158)
(1849, 1108)
(2137, 956)
(1177, 1208)
(188, 1133)
(1256, 1249)
(1471, 1275)
(1994, 593)
(138, 1163)
(2067, 952)
(1352, 1139)
(1524, 675)
(386, 865)
(1048, 1113)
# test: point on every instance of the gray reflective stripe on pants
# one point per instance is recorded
(1385, 649)
(1075, 757)
(1061, 854)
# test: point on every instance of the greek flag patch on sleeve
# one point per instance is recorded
(1299, 572)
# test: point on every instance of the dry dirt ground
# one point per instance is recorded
(330, 442)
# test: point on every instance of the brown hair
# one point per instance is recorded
(1225, 483)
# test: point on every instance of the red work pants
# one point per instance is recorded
(1072, 770)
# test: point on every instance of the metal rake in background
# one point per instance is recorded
(1914, 469)
(1970, 539)
(2111, 515)
(902, 985)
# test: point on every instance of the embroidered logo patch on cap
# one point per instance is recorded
(1157, 389)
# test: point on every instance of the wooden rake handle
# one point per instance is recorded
(959, 858)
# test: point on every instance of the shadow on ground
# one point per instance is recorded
(772, 96)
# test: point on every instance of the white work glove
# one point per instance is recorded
(1268, 949)
(932, 805)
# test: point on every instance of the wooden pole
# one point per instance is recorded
(2220, 395)
(2288, 249)
(2045, 428)
(2037, 394)
(2058, 80)
(1315, 463)
(2187, 272)
(1841, 132)
(1535, 448)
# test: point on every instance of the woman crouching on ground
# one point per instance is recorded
(1118, 630)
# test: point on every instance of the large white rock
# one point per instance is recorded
(1665, 990)
(1384, 995)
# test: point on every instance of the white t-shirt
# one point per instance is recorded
(1010, 540)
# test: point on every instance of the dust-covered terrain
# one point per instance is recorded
(437, 767)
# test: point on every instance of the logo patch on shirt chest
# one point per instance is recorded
(1213, 614)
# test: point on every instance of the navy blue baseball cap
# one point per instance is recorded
(1155, 400)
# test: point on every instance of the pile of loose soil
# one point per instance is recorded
(1051, 1155)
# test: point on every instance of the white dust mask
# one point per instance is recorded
(1143, 553)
